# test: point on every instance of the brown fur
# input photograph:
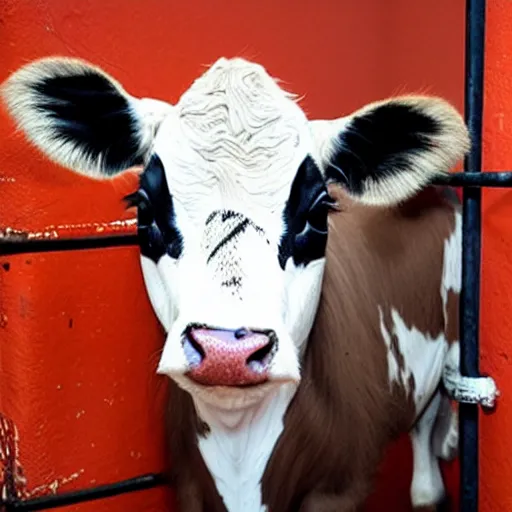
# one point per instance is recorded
(345, 412)
(195, 488)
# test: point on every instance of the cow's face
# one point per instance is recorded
(233, 203)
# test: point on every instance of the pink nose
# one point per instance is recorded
(228, 358)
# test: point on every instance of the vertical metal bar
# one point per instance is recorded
(471, 247)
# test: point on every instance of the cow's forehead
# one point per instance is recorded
(238, 85)
(234, 131)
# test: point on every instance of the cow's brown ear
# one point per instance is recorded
(80, 117)
(389, 150)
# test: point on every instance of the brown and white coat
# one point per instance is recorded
(385, 324)
(306, 273)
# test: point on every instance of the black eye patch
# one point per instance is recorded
(305, 216)
(156, 217)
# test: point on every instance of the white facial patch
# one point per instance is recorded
(157, 278)
(235, 142)
(231, 150)
(303, 289)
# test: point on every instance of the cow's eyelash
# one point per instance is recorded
(141, 201)
(140, 198)
(324, 199)
(137, 198)
(332, 204)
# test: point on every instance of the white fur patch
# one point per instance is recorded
(482, 390)
(159, 279)
(427, 486)
(303, 287)
(452, 267)
(236, 143)
(395, 375)
(324, 134)
(157, 293)
(423, 358)
(239, 445)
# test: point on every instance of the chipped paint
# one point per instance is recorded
(68, 230)
(54, 485)
(12, 479)
(14, 235)
(13, 482)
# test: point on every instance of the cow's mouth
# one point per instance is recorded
(233, 358)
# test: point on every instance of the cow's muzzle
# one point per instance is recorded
(221, 357)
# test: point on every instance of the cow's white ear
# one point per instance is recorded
(389, 150)
(80, 117)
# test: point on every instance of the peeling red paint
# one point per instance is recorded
(13, 482)
(125, 226)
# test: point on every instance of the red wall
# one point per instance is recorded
(78, 341)
(496, 320)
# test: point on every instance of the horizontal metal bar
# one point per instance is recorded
(104, 491)
(476, 179)
(8, 247)
(21, 246)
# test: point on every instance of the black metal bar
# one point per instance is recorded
(8, 247)
(105, 491)
(476, 179)
(471, 246)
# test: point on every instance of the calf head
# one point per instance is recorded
(233, 201)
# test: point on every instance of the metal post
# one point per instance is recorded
(471, 246)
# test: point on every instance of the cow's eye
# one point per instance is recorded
(145, 216)
(319, 210)
(140, 199)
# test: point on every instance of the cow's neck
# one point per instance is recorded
(239, 445)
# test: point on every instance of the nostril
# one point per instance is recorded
(241, 333)
(194, 353)
(258, 361)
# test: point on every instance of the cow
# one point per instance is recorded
(306, 273)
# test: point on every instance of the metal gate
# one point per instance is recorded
(471, 179)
